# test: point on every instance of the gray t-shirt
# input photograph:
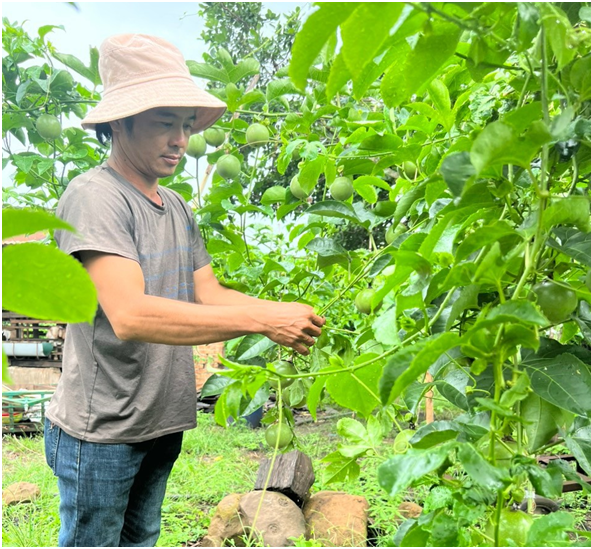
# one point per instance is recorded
(115, 391)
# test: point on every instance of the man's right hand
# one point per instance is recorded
(292, 325)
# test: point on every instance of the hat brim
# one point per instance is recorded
(166, 92)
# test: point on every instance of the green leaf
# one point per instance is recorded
(209, 72)
(17, 222)
(314, 33)
(364, 32)
(546, 481)
(392, 384)
(435, 433)
(457, 170)
(559, 32)
(356, 390)
(338, 77)
(274, 195)
(91, 73)
(42, 282)
(401, 471)
(579, 443)
(310, 172)
(484, 236)
(253, 345)
(326, 247)
(573, 210)
(518, 311)
(528, 24)
(340, 468)
(573, 243)
(453, 387)
(215, 385)
(385, 328)
(585, 14)
(440, 96)
(539, 418)
(499, 144)
(279, 88)
(410, 73)
(551, 530)
(564, 381)
(333, 208)
(314, 395)
(479, 469)
(367, 192)
(467, 298)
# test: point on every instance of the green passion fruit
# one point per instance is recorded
(197, 146)
(410, 169)
(296, 190)
(556, 302)
(228, 166)
(214, 136)
(278, 435)
(513, 528)
(363, 301)
(257, 135)
(342, 188)
(283, 367)
(48, 126)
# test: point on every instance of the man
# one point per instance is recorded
(127, 392)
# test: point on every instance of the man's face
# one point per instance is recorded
(157, 141)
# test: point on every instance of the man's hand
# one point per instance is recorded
(292, 325)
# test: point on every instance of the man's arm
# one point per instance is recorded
(219, 315)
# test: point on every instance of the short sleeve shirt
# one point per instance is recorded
(115, 391)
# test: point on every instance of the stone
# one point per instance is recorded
(226, 523)
(337, 519)
(20, 492)
(278, 519)
(409, 510)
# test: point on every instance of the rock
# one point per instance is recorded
(278, 520)
(337, 519)
(21, 492)
(409, 510)
(226, 522)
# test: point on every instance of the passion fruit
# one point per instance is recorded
(283, 367)
(228, 166)
(296, 190)
(342, 188)
(363, 301)
(410, 169)
(214, 136)
(257, 135)
(197, 146)
(556, 302)
(278, 435)
(48, 126)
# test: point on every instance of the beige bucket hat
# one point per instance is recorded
(141, 72)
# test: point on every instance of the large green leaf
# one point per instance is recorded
(410, 73)
(559, 32)
(457, 169)
(253, 345)
(356, 390)
(314, 33)
(480, 470)
(563, 380)
(499, 144)
(42, 282)
(392, 383)
(579, 443)
(16, 222)
(401, 471)
(91, 72)
(573, 243)
(551, 530)
(540, 421)
(364, 32)
(333, 208)
(435, 433)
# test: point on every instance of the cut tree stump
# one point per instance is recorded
(292, 476)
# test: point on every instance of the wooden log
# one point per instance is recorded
(292, 475)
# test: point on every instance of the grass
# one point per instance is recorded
(214, 462)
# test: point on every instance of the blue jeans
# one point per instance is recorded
(110, 494)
